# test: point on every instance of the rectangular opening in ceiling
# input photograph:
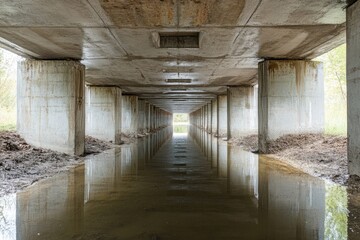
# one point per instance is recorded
(179, 39)
(178, 80)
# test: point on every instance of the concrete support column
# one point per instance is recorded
(209, 117)
(242, 111)
(147, 117)
(103, 113)
(141, 117)
(214, 117)
(222, 116)
(291, 99)
(205, 117)
(353, 86)
(51, 106)
(156, 115)
(129, 115)
(153, 117)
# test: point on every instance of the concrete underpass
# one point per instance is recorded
(118, 71)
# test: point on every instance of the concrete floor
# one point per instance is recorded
(176, 194)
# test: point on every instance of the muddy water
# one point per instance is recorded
(179, 189)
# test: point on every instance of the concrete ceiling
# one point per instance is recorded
(116, 40)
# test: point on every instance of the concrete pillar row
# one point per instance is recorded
(242, 111)
(130, 110)
(353, 86)
(103, 113)
(291, 99)
(51, 106)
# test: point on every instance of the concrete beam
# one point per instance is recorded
(242, 111)
(291, 99)
(353, 86)
(50, 105)
(103, 113)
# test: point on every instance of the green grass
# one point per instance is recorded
(336, 130)
(7, 127)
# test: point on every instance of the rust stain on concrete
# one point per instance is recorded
(140, 12)
(300, 72)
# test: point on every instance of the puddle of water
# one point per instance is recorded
(139, 191)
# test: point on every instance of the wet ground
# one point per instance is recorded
(181, 187)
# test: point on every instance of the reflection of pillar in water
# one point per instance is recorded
(8, 217)
(53, 208)
(209, 146)
(291, 204)
(243, 170)
(336, 213)
(141, 153)
(214, 154)
(129, 160)
(222, 158)
(100, 175)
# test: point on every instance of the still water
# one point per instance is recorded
(180, 187)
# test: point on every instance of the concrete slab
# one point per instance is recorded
(117, 40)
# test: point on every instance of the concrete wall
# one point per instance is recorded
(291, 99)
(222, 115)
(242, 111)
(129, 122)
(103, 113)
(50, 105)
(353, 87)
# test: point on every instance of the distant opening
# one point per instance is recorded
(180, 123)
(335, 90)
(179, 39)
(8, 75)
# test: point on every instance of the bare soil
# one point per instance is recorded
(319, 155)
(22, 164)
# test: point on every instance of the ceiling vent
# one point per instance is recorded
(178, 80)
(179, 40)
(178, 90)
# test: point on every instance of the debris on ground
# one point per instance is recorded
(319, 155)
(248, 143)
(22, 164)
(94, 145)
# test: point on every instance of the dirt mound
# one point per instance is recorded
(317, 154)
(94, 145)
(248, 143)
